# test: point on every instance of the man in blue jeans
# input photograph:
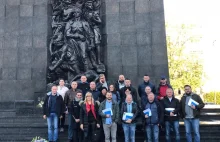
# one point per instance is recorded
(52, 110)
(154, 118)
(129, 124)
(190, 112)
(171, 114)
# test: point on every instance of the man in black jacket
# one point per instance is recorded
(83, 85)
(75, 112)
(127, 88)
(171, 117)
(95, 92)
(69, 97)
(120, 83)
(190, 112)
(53, 108)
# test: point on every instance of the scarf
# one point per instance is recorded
(92, 108)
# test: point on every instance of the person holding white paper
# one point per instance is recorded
(191, 113)
(171, 114)
(109, 118)
(129, 112)
(154, 119)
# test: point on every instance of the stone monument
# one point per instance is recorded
(43, 40)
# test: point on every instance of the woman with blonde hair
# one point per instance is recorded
(89, 118)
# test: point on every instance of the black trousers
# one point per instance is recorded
(88, 132)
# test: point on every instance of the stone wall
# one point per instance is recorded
(135, 42)
(23, 48)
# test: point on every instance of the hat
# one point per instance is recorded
(163, 77)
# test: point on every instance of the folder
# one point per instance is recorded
(127, 116)
(107, 111)
(147, 112)
(192, 102)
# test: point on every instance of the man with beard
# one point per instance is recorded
(109, 120)
(190, 113)
(120, 83)
(141, 87)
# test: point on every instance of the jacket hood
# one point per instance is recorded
(50, 93)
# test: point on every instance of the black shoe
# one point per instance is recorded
(69, 140)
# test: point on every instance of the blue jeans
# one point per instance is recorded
(70, 126)
(129, 132)
(194, 123)
(52, 122)
(175, 125)
(152, 132)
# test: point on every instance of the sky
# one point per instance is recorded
(205, 15)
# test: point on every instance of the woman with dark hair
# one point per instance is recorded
(115, 94)
(89, 117)
(102, 97)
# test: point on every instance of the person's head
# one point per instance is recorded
(169, 92)
(102, 78)
(83, 78)
(127, 82)
(92, 85)
(146, 78)
(121, 78)
(54, 89)
(61, 82)
(129, 98)
(79, 95)
(127, 90)
(109, 96)
(111, 88)
(187, 89)
(163, 80)
(151, 97)
(147, 89)
(74, 85)
(88, 97)
(103, 90)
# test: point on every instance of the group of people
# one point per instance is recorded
(96, 110)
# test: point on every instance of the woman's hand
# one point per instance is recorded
(98, 126)
(81, 126)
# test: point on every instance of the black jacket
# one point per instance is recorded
(59, 105)
(69, 97)
(173, 104)
(117, 86)
(133, 93)
(160, 111)
(75, 112)
(196, 112)
(96, 94)
(141, 88)
(135, 111)
(84, 116)
(84, 87)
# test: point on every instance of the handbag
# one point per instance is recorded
(96, 135)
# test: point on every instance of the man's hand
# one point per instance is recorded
(171, 114)
(107, 115)
(161, 98)
(44, 117)
(81, 126)
(128, 121)
(77, 120)
(66, 112)
(193, 107)
(61, 117)
(97, 125)
(146, 116)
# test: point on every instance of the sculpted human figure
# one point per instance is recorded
(78, 35)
